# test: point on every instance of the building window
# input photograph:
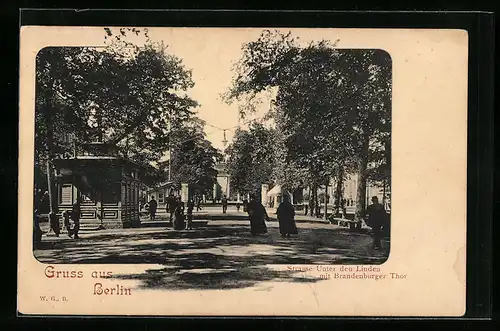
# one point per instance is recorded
(66, 194)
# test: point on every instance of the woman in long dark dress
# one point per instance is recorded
(257, 215)
(286, 220)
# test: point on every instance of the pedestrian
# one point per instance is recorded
(170, 206)
(224, 204)
(306, 207)
(286, 214)
(152, 208)
(376, 217)
(245, 205)
(67, 224)
(37, 232)
(75, 217)
(190, 207)
(257, 215)
(238, 206)
(344, 209)
(179, 223)
(198, 204)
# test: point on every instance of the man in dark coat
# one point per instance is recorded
(286, 220)
(171, 204)
(153, 205)
(376, 217)
(257, 215)
(75, 216)
(224, 204)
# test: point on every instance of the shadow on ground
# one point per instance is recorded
(214, 257)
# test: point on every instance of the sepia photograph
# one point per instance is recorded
(242, 171)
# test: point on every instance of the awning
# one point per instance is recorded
(164, 185)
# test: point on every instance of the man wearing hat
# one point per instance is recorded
(376, 216)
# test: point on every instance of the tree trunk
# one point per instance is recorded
(316, 201)
(361, 189)
(312, 199)
(338, 190)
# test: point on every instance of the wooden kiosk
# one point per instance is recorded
(106, 184)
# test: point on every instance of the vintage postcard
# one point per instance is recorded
(242, 171)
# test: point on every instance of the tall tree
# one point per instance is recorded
(193, 157)
(332, 102)
(368, 94)
(251, 159)
(121, 98)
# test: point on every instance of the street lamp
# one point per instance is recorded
(170, 146)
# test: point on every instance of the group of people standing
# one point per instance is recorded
(375, 216)
(176, 208)
(257, 214)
